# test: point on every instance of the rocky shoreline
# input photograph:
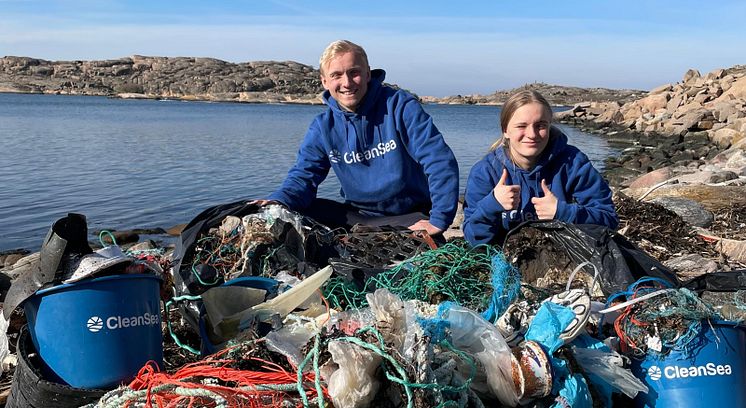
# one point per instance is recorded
(556, 95)
(210, 79)
(181, 78)
(682, 153)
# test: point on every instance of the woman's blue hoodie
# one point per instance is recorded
(583, 197)
(389, 157)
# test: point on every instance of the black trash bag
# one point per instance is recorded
(184, 279)
(288, 251)
(65, 243)
(30, 389)
(731, 281)
(618, 261)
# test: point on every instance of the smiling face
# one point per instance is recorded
(346, 77)
(527, 134)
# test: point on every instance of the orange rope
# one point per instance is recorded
(190, 375)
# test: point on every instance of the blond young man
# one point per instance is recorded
(391, 161)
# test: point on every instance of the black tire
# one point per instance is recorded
(30, 390)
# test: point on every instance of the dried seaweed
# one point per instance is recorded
(730, 223)
(658, 231)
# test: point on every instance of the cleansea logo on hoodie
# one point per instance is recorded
(357, 157)
(335, 156)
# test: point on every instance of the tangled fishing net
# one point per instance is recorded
(670, 319)
(453, 272)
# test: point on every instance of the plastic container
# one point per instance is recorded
(209, 344)
(536, 370)
(712, 373)
(97, 333)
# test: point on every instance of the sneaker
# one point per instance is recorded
(580, 303)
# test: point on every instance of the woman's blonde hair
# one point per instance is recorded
(340, 47)
(515, 101)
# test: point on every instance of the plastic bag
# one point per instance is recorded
(289, 340)
(354, 383)
(609, 367)
(548, 324)
(390, 317)
(4, 350)
(471, 333)
(574, 393)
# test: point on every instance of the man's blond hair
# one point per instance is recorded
(340, 47)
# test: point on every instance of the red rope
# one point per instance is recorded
(190, 377)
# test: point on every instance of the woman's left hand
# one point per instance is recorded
(546, 207)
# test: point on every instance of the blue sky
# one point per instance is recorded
(431, 47)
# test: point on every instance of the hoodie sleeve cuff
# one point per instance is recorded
(280, 197)
(565, 212)
(489, 205)
(439, 222)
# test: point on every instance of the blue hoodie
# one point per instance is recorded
(388, 156)
(583, 197)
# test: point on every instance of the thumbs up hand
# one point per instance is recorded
(509, 196)
(546, 207)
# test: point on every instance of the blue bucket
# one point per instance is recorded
(97, 333)
(710, 373)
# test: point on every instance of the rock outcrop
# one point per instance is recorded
(696, 128)
(184, 78)
(714, 103)
(555, 94)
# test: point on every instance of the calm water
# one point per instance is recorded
(143, 164)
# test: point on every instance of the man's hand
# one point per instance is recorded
(424, 225)
(509, 196)
(263, 203)
(546, 207)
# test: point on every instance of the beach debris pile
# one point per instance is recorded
(264, 307)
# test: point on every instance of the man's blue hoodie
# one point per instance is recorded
(388, 156)
(583, 197)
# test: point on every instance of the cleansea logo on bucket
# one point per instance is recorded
(96, 323)
(654, 372)
(676, 372)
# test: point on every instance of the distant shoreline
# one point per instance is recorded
(256, 102)
(213, 80)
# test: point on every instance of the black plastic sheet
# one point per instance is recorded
(618, 261)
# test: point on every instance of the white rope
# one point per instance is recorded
(657, 186)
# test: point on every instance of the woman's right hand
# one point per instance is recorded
(509, 196)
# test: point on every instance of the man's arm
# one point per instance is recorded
(310, 169)
(426, 145)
